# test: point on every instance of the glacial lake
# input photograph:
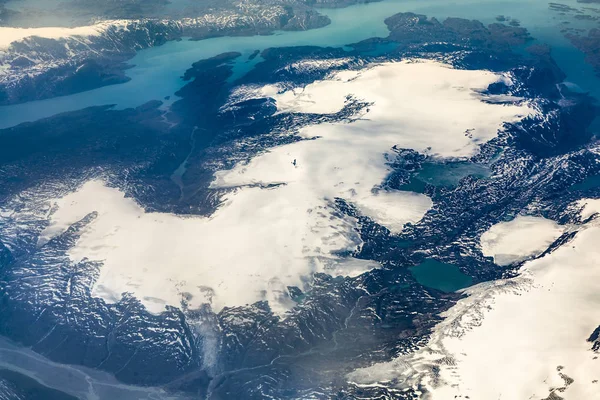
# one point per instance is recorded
(444, 175)
(590, 182)
(440, 276)
(157, 72)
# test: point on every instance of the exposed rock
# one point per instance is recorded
(413, 29)
(595, 339)
(590, 45)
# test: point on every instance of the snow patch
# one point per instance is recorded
(10, 35)
(519, 239)
(588, 207)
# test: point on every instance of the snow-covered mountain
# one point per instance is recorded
(38, 63)
(262, 237)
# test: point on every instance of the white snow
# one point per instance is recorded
(10, 35)
(521, 338)
(261, 240)
(519, 239)
(309, 66)
(423, 105)
(253, 247)
(588, 207)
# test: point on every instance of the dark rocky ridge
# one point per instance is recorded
(409, 28)
(595, 339)
(586, 40)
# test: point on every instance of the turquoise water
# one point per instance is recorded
(450, 174)
(243, 65)
(444, 174)
(414, 185)
(440, 276)
(157, 72)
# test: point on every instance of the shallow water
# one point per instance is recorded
(80, 382)
(157, 72)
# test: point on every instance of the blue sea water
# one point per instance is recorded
(157, 72)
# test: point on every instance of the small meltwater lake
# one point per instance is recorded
(440, 276)
(444, 175)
